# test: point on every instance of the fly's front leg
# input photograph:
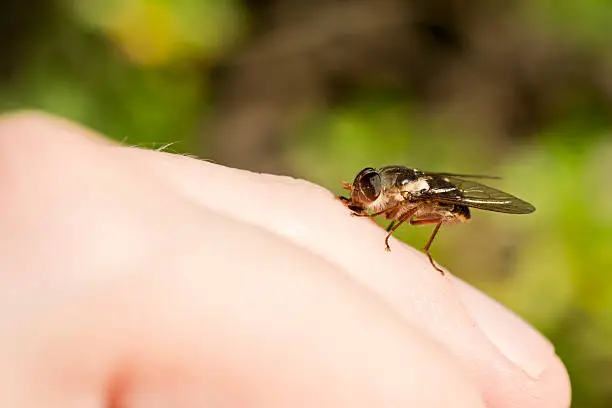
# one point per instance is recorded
(357, 211)
(376, 214)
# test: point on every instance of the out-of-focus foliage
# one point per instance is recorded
(586, 21)
(154, 32)
(320, 89)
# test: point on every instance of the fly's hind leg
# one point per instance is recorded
(426, 221)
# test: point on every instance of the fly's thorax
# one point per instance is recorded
(427, 188)
(413, 189)
(401, 183)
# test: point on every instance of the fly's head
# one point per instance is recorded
(366, 189)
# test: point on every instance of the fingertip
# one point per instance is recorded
(515, 338)
(557, 385)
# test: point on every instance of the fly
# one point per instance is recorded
(403, 194)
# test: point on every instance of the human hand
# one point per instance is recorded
(133, 278)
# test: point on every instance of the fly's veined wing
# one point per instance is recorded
(474, 176)
(483, 197)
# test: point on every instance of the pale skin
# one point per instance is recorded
(133, 278)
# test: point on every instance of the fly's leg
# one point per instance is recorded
(344, 200)
(426, 221)
(395, 225)
(376, 214)
(392, 215)
(390, 232)
(433, 234)
(356, 211)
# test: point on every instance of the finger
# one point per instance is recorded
(301, 343)
(513, 367)
(309, 336)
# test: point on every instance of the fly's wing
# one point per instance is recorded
(476, 195)
(473, 176)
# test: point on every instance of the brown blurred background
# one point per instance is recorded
(320, 89)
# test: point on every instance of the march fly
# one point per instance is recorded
(404, 194)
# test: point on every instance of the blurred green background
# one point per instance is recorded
(322, 88)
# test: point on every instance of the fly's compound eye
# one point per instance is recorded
(367, 186)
